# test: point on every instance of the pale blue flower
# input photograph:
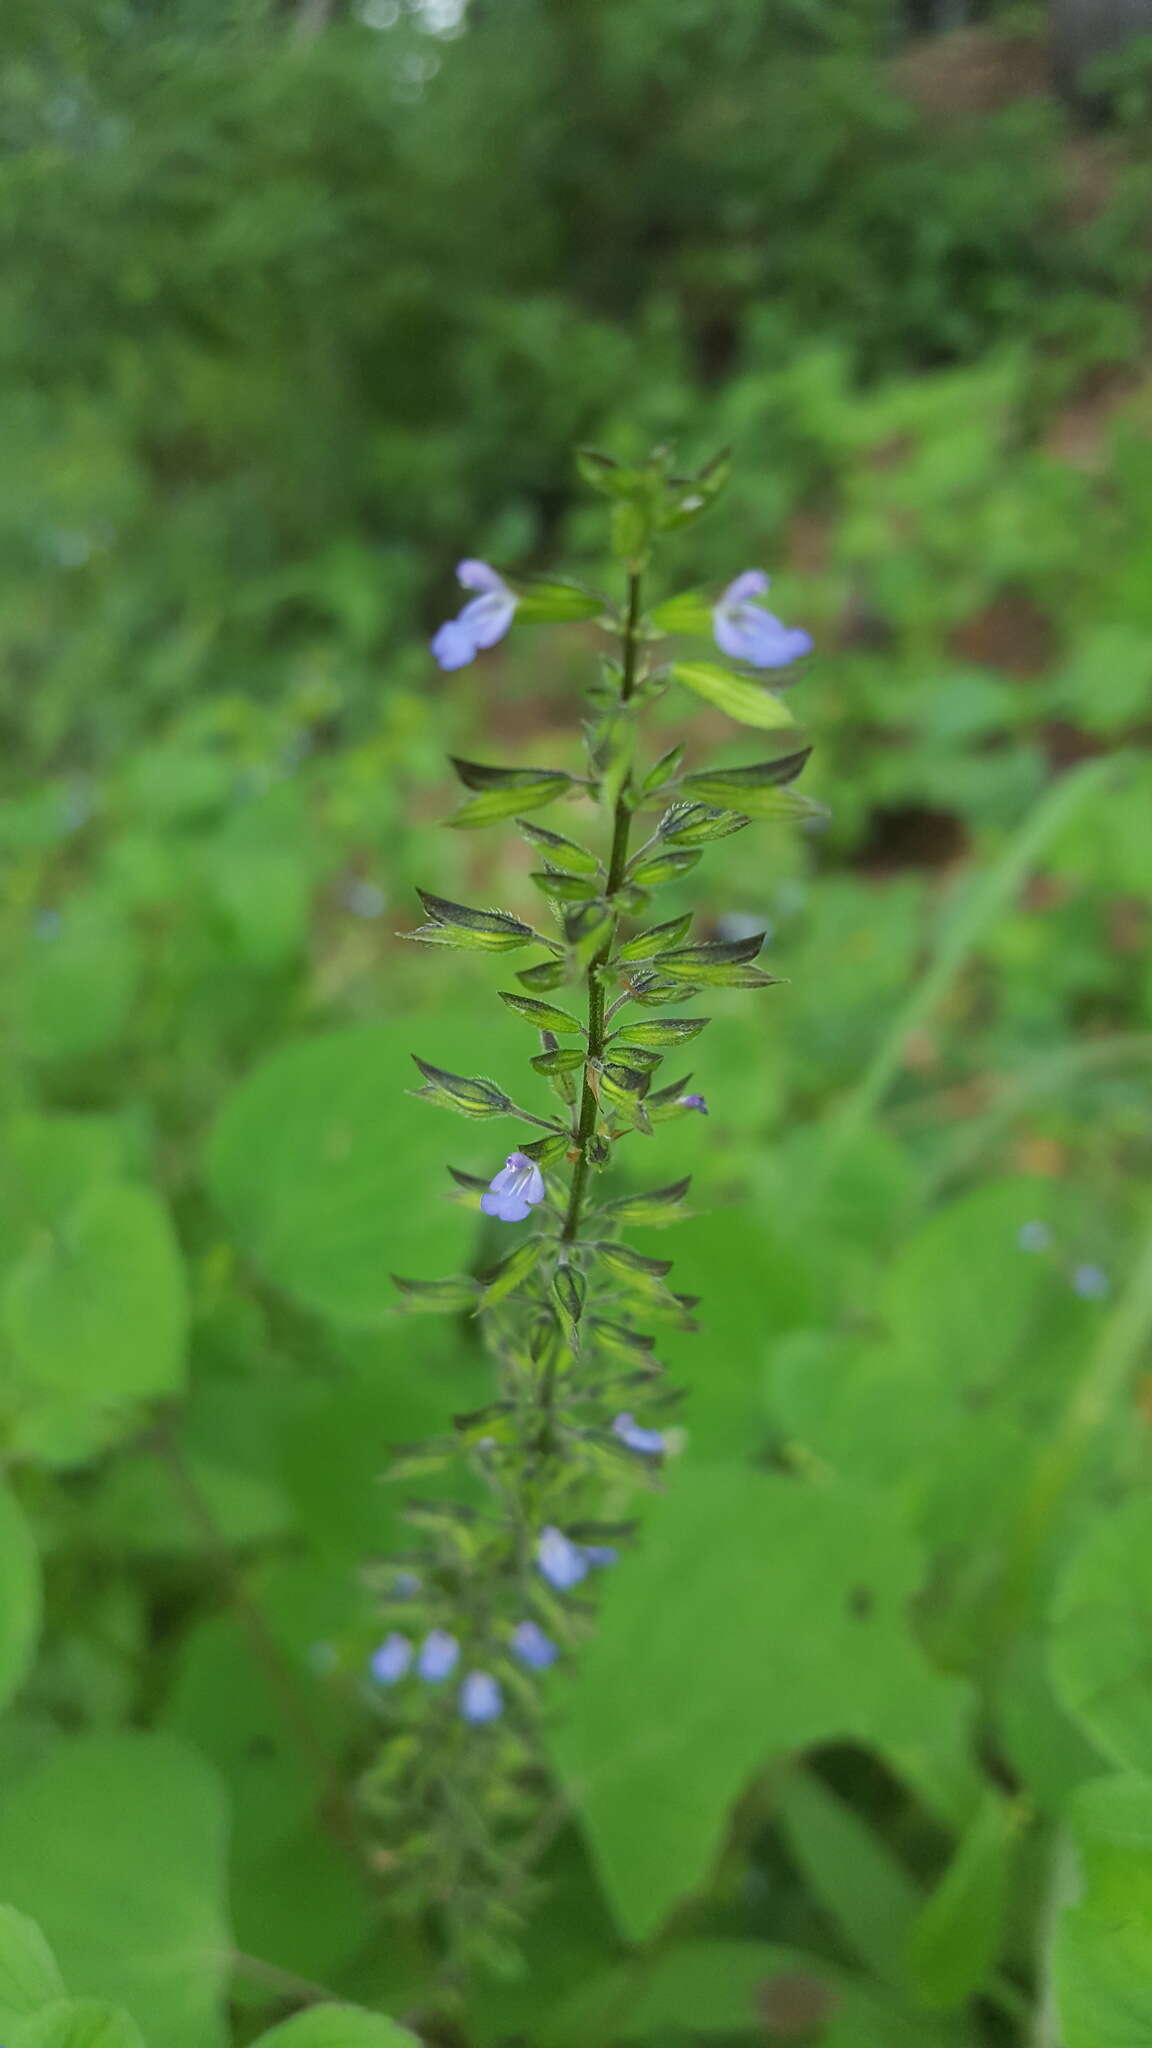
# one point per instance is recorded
(649, 1442)
(391, 1661)
(533, 1647)
(747, 632)
(600, 1553)
(439, 1656)
(560, 1561)
(696, 1102)
(1091, 1282)
(517, 1187)
(1034, 1237)
(483, 621)
(481, 1698)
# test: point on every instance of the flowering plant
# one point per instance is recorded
(501, 1586)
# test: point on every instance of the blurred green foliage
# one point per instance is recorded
(297, 310)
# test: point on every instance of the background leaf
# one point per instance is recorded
(115, 1846)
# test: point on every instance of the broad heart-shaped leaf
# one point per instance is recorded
(20, 1598)
(74, 990)
(724, 1642)
(29, 1975)
(748, 702)
(94, 1314)
(78, 2023)
(338, 2026)
(1101, 1644)
(331, 1177)
(1102, 1952)
(116, 1847)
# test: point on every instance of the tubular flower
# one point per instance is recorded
(439, 1656)
(483, 621)
(517, 1187)
(696, 1102)
(481, 1698)
(391, 1661)
(649, 1442)
(533, 1647)
(562, 1562)
(748, 632)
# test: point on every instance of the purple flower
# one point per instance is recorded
(649, 1442)
(533, 1647)
(560, 1561)
(747, 632)
(439, 1656)
(517, 1187)
(483, 621)
(601, 1553)
(693, 1102)
(481, 1698)
(1091, 1282)
(391, 1661)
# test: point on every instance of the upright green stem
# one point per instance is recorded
(617, 862)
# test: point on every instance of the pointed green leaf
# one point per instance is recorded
(438, 1297)
(548, 974)
(699, 824)
(544, 1015)
(652, 868)
(497, 804)
(737, 788)
(562, 852)
(503, 1279)
(562, 888)
(661, 1032)
(656, 939)
(455, 924)
(477, 775)
(955, 1939)
(683, 963)
(660, 774)
(656, 1206)
(547, 604)
(748, 702)
(562, 1059)
(690, 612)
(569, 1288)
(477, 1098)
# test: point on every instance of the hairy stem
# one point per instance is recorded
(617, 862)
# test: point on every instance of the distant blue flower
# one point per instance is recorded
(439, 1656)
(483, 621)
(391, 1661)
(481, 1698)
(693, 1102)
(1091, 1282)
(649, 1442)
(747, 632)
(533, 1647)
(600, 1553)
(517, 1187)
(47, 925)
(562, 1562)
(1034, 1237)
(405, 1585)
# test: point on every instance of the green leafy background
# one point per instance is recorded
(303, 303)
